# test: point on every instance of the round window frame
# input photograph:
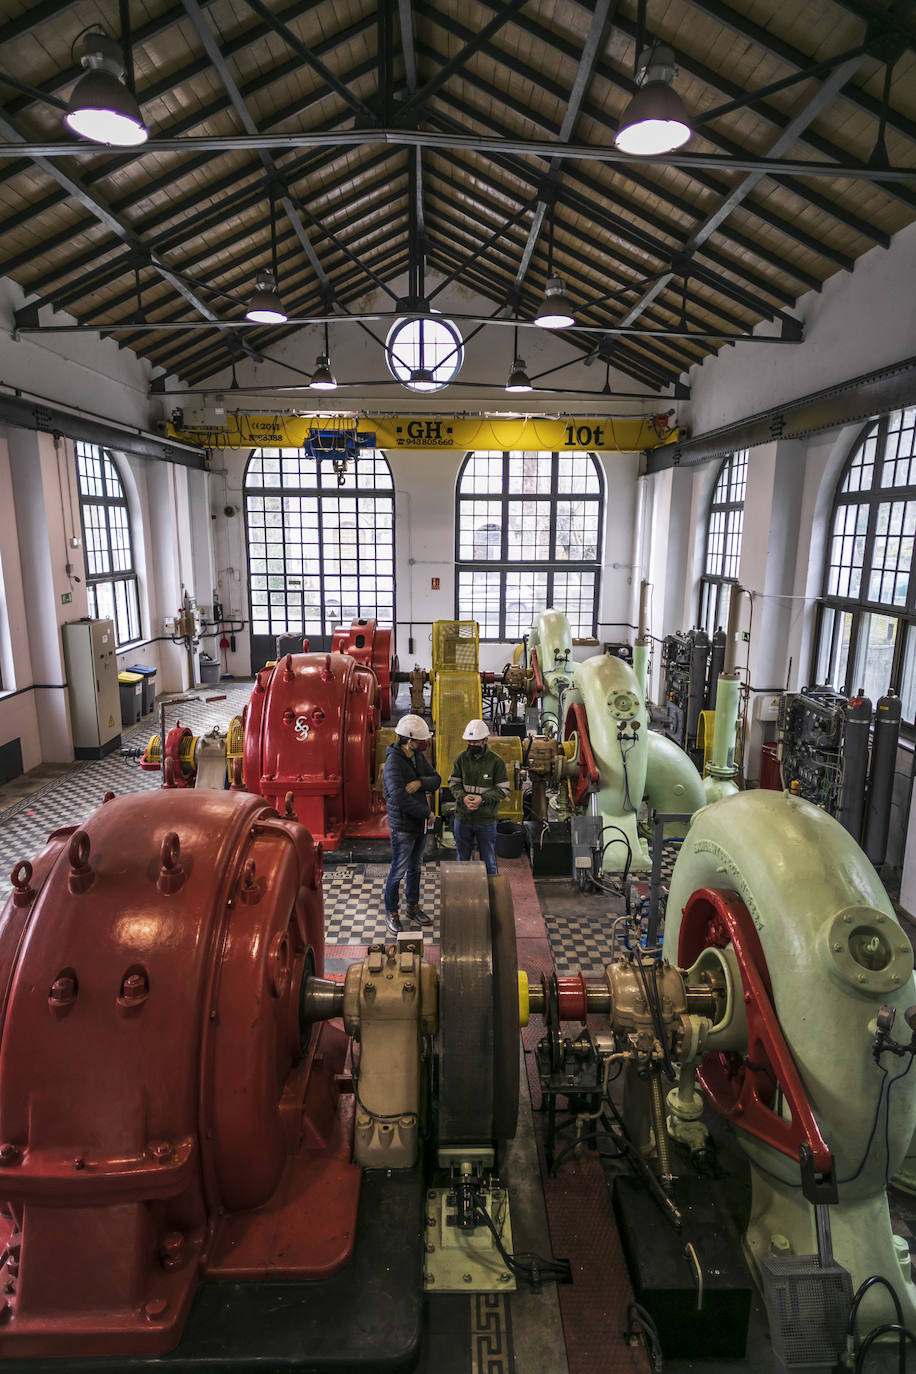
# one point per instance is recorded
(395, 331)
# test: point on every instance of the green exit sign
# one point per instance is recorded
(66, 598)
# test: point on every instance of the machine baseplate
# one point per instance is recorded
(459, 1261)
(367, 1317)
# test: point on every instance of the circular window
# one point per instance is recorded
(424, 354)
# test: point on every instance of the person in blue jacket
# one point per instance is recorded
(408, 780)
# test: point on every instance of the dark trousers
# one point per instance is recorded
(406, 856)
(486, 841)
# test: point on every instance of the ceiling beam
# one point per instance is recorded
(778, 47)
(686, 207)
(520, 147)
(718, 82)
(421, 98)
(594, 42)
(311, 59)
(214, 52)
(124, 232)
(789, 135)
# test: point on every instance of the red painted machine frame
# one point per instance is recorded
(161, 1120)
(310, 733)
(744, 1089)
(374, 648)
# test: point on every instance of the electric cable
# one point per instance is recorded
(852, 1343)
(638, 1317)
(528, 1266)
(888, 1329)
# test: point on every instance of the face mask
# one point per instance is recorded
(420, 745)
(475, 750)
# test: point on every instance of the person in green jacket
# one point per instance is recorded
(478, 783)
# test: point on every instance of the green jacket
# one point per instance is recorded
(486, 776)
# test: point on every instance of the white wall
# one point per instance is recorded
(39, 519)
(859, 321)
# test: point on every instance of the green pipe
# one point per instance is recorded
(721, 768)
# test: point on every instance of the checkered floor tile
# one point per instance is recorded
(581, 934)
(354, 902)
(69, 798)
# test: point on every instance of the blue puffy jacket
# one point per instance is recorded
(408, 811)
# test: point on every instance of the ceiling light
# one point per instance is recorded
(101, 107)
(518, 377)
(556, 311)
(656, 119)
(422, 379)
(266, 306)
(323, 377)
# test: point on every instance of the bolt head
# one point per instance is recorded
(467, 1278)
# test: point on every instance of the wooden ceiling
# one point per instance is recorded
(458, 138)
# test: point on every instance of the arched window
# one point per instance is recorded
(528, 536)
(111, 579)
(319, 554)
(867, 618)
(723, 542)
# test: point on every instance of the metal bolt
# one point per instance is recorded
(155, 1309)
(860, 978)
(430, 1221)
(161, 1150)
(837, 947)
(10, 1154)
(79, 1163)
(467, 1278)
(61, 989)
(747, 997)
(430, 1248)
(430, 1278)
(504, 1278)
(431, 1193)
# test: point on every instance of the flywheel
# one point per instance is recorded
(478, 1008)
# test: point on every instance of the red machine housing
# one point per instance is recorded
(371, 646)
(163, 1118)
(310, 732)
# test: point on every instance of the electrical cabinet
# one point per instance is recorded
(92, 676)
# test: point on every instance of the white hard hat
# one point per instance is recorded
(412, 727)
(476, 731)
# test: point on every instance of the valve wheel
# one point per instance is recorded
(478, 1008)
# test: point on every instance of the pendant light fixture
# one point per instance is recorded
(265, 306)
(323, 378)
(101, 107)
(518, 376)
(656, 119)
(556, 310)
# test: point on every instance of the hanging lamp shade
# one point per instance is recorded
(656, 119)
(323, 378)
(422, 379)
(556, 312)
(265, 306)
(101, 107)
(518, 377)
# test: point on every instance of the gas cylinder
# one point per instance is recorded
(856, 731)
(310, 730)
(371, 646)
(156, 1075)
(881, 776)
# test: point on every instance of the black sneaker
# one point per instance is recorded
(416, 913)
(393, 922)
